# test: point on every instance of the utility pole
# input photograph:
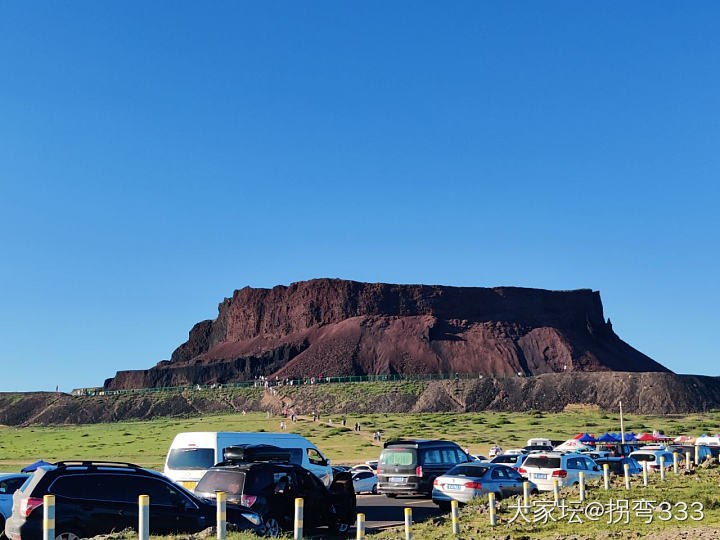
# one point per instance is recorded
(622, 425)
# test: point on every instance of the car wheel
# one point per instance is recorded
(67, 535)
(374, 490)
(443, 505)
(272, 527)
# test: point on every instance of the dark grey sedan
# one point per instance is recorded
(469, 480)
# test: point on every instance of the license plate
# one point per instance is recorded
(397, 479)
(452, 486)
(540, 476)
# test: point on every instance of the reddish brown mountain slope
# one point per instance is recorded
(336, 327)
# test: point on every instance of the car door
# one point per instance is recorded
(500, 479)
(315, 495)
(171, 511)
(515, 482)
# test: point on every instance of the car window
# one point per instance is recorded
(498, 473)
(191, 458)
(433, 457)
(397, 456)
(449, 455)
(12, 484)
(231, 482)
(309, 483)
(543, 462)
(589, 465)
(514, 475)
(461, 456)
(315, 457)
(363, 475)
(467, 470)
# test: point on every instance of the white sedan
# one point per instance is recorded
(365, 481)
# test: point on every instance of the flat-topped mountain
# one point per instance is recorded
(329, 327)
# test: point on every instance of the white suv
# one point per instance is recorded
(544, 468)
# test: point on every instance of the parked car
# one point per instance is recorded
(652, 457)
(8, 484)
(595, 454)
(704, 452)
(409, 467)
(362, 468)
(616, 465)
(617, 449)
(511, 460)
(193, 453)
(543, 469)
(465, 482)
(515, 451)
(263, 478)
(365, 481)
(373, 464)
(478, 457)
(93, 498)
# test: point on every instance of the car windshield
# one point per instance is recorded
(397, 456)
(504, 459)
(542, 462)
(644, 457)
(191, 458)
(467, 470)
(231, 482)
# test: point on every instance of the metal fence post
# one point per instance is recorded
(455, 517)
(675, 462)
(645, 480)
(662, 468)
(582, 486)
(606, 475)
(697, 454)
(144, 517)
(49, 517)
(526, 497)
(688, 463)
(408, 524)
(360, 527)
(298, 528)
(556, 492)
(221, 498)
(627, 476)
(493, 515)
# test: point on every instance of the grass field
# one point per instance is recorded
(146, 443)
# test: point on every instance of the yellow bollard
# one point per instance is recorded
(493, 514)
(455, 517)
(221, 499)
(526, 497)
(299, 511)
(556, 492)
(697, 454)
(360, 527)
(606, 475)
(582, 486)
(627, 476)
(408, 523)
(688, 463)
(662, 468)
(144, 517)
(49, 517)
(675, 462)
(645, 470)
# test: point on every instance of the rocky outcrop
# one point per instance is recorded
(335, 327)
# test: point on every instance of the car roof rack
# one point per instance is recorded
(95, 464)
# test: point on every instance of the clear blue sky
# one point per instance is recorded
(155, 156)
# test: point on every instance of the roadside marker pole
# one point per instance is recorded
(144, 517)
(697, 454)
(408, 524)
(221, 498)
(360, 527)
(675, 462)
(582, 486)
(49, 517)
(688, 463)
(627, 476)
(606, 475)
(662, 468)
(526, 497)
(455, 517)
(644, 465)
(556, 492)
(493, 515)
(299, 510)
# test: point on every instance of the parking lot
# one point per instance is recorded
(382, 512)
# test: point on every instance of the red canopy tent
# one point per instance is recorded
(647, 437)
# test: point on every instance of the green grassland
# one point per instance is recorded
(147, 442)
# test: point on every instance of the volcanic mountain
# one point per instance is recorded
(329, 327)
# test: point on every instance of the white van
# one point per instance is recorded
(193, 453)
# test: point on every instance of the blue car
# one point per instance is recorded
(9, 483)
(617, 465)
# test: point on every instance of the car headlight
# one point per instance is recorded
(255, 519)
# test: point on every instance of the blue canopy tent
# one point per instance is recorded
(606, 438)
(587, 438)
(32, 467)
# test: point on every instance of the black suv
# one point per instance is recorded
(409, 467)
(94, 498)
(261, 477)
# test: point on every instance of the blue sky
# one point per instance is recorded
(156, 156)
